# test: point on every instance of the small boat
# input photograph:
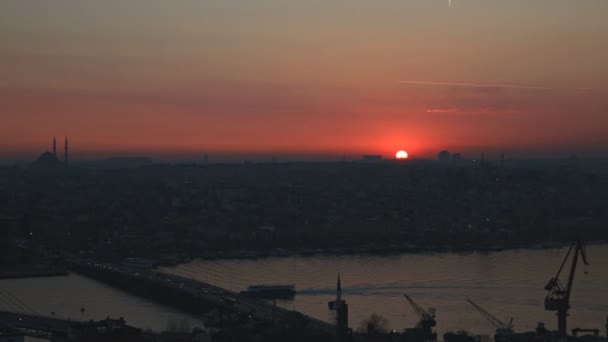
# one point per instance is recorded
(271, 291)
(138, 263)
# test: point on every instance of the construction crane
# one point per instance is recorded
(502, 329)
(427, 318)
(558, 296)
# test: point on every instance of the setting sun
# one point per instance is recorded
(401, 155)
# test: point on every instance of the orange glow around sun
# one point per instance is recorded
(401, 154)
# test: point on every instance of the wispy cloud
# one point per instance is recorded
(483, 85)
(460, 110)
(480, 85)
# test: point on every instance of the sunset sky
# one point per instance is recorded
(303, 77)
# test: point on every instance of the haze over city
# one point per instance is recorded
(312, 78)
(303, 170)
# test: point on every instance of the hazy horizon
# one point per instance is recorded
(83, 157)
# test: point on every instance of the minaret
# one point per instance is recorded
(66, 152)
(54, 147)
(339, 290)
(340, 309)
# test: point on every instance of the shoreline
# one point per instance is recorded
(362, 250)
(33, 274)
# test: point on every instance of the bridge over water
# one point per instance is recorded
(191, 295)
(34, 322)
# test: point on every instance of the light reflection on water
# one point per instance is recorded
(507, 284)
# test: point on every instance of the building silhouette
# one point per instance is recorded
(371, 158)
(444, 156)
(49, 160)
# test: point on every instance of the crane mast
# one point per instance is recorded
(558, 296)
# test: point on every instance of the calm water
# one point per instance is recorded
(507, 284)
(66, 295)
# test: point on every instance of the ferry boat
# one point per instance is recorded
(271, 291)
(138, 263)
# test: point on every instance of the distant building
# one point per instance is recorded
(456, 157)
(48, 160)
(114, 330)
(371, 158)
(443, 156)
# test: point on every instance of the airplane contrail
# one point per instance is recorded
(481, 85)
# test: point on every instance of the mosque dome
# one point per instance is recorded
(47, 160)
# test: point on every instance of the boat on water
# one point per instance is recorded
(270, 291)
(138, 263)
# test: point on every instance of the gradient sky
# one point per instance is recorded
(316, 77)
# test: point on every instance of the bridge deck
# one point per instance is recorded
(195, 291)
(32, 322)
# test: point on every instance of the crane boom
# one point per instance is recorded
(580, 249)
(427, 318)
(419, 311)
(425, 324)
(498, 324)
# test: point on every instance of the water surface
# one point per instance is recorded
(66, 296)
(507, 284)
